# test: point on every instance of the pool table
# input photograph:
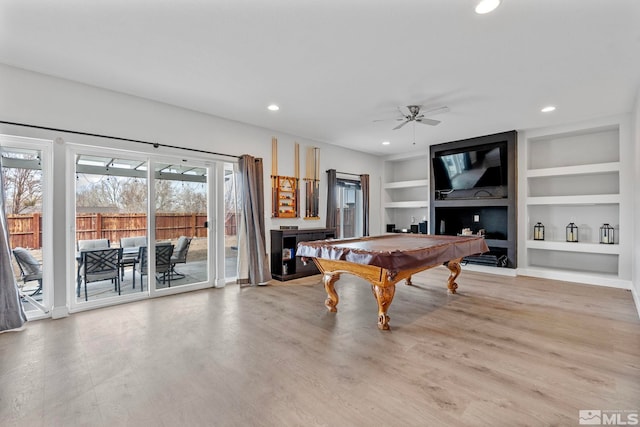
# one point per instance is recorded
(385, 260)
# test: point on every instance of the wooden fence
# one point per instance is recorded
(26, 230)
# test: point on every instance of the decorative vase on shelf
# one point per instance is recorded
(606, 234)
(572, 232)
(538, 231)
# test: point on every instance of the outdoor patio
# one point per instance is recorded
(194, 271)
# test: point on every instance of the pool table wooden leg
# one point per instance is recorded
(454, 269)
(332, 296)
(384, 296)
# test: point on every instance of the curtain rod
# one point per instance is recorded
(154, 144)
(345, 173)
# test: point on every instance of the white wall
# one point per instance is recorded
(42, 100)
(47, 101)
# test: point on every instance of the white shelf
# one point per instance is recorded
(407, 184)
(408, 204)
(588, 169)
(591, 199)
(586, 247)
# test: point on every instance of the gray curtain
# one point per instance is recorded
(11, 313)
(332, 200)
(364, 185)
(252, 232)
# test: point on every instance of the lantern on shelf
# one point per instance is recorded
(538, 231)
(572, 232)
(606, 234)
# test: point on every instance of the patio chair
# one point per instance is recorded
(87, 245)
(163, 263)
(130, 248)
(100, 265)
(179, 256)
(30, 268)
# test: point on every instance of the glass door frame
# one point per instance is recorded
(345, 185)
(46, 161)
(212, 196)
(152, 160)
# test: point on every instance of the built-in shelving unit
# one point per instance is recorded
(475, 207)
(575, 174)
(406, 190)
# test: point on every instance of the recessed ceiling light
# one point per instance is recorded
(386, 143)
(548, 109)
(486, 6)
(273, 107)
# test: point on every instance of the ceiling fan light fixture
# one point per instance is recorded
(486, 6)
(273, 107)
(548, 109)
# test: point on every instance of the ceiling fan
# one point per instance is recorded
(414, 114)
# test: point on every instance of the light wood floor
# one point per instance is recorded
(503, 352)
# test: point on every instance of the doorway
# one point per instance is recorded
(349, 218)
(150, 214)
(26, 179)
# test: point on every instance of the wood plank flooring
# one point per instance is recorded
(504, 351)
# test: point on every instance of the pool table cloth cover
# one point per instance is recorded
(395, 252)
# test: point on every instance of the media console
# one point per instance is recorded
(285, 265)
(474, 187)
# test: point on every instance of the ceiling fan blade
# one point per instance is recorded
(434, 111)
(399, 119)
(426, 121)
(400, 125)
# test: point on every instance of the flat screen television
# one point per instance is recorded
(471, 172)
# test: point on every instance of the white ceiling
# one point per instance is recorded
(334, 66)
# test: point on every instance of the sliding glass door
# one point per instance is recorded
(350, 211)
(141, 226)
(181, 225)
(231, 220)
(26, 187)
(110, 225)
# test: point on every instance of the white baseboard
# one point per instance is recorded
(500, 271)
(607, 280)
